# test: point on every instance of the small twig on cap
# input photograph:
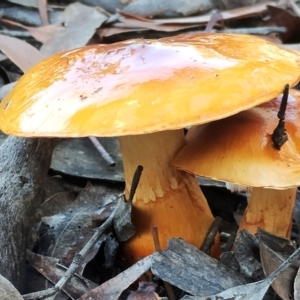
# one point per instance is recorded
(105, 155)
(279, 136)
(167, 285)
(210, 237)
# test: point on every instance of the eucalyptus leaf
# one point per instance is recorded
(250, 291)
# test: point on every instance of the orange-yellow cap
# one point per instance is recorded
(143, 86)
(239, 148)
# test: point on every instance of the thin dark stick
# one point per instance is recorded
(279, 136)
(135, 181)
(168, 286)
(105, 155)
(282, 109)
(155, 238)
(230, 241)
(210, 237)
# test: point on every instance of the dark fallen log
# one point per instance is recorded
(24, 164)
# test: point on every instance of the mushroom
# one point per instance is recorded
(239, 149)
(145, 92)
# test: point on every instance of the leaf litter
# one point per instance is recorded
(273, 251)
(69, 223)
(75, 16)
(252, 291)
(53, 270)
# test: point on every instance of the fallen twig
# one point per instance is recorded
(40, 294)
(211, 235)
(105, 155)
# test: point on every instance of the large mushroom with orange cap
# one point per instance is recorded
(239, 149)
(145, 92)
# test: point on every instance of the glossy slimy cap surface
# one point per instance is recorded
(143, 86)
(239, 148)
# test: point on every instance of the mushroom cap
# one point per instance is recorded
(239, 148)
(143, 86)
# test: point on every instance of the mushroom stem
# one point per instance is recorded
(271, 210)
(167, 198)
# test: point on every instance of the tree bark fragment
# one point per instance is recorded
(24, 164)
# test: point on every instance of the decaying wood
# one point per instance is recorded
(23, 167)
(252, 291)
(113, 288)
(193, 271)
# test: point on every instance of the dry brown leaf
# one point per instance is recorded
(151, 8)
(21, 53)
(175, 24)
(295, 7)
(145, 291)
(113, 288)
(29, 3)
(4, 90)
(131, 15)
(41, 34)
(109, 31)
(283, 285)
(282, 17)
(42, 4)
(157, 27)
(81, 22)
(133, 20)
(8, 291)
(297, 286)
(295, 47)
(238, 13)
(51, 268)
(231, 4)
(251, 291)
(69, 223)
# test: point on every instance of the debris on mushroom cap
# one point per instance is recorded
(143, 86)
(239, 148)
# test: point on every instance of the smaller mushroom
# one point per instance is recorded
(239, 149)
